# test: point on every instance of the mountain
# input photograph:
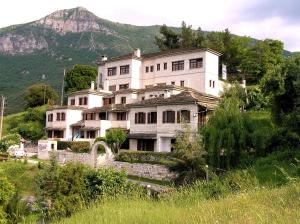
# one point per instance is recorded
(59, 41)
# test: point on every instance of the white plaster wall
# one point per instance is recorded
(117, 79)
(193, 78)
(95, 101)
(136, 82)
(130, 98)
(212, 73)
(133, 144)
(72, 116)
(142, 128)
(165, 144)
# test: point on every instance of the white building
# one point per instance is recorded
(148, 95)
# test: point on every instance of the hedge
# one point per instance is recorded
(163, 158)
(80, 147)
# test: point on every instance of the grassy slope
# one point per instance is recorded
(21, 175)
(263, 206)
(263, 198)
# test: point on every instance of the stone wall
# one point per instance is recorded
(64, 156)
(151, 171)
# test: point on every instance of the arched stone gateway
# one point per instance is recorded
(108, 157)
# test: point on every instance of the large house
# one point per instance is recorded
(149, 96)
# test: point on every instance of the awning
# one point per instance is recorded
(141, 136)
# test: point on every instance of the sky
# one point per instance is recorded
(261, 19)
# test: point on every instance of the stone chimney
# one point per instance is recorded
(137, 52)
(92, 85)
(103, 58)
(167, 93)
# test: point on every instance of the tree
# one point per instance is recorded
(225, 134)
(168, 39)
(40, 94)
(189, 150)
(115, 137)
(79, 77)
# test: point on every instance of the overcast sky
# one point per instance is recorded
(276, 19)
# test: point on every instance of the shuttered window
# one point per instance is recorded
(169, 116)
(183, 116)
(140, 118)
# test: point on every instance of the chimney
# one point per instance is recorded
(137, 52)
(92, 85)
(103, 58)
(167, 94)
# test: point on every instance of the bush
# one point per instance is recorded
(130, 156)
(9, 140)
(63, 190)
(80, 147)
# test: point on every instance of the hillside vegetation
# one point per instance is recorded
(241, 196)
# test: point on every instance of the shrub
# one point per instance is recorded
(80, 147)
(9, 140)
(115, 137)
(63, 190)
(163, 158)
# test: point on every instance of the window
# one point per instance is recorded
(83, 100)
(50, 117)
(173, 83)
(112, 71)
(102, 116)
(49, 134)
(177, 65)
(169, 116)
(124, 86)
(58, 116)
(151, 68)
(63, 116)
(89, 116)
(143, 98)
(213, 84)
(124, 69)
(121, 116)
(58, 134)
(123, 100)
(145, 144)
(108, 101)
(182, 83)
(196, 63)
(165, 66)
(147, 69)
(140, 118)
(158, 67)
(72, 101)
(152, 118)
(112, 88)
(209, 83)
(183, 116)
(91, 134)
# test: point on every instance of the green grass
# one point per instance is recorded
(262, 206)
(266, 192)
(21, 175)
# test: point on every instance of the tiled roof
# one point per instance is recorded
(161, 54)
(66, 107)
(89, 91)
(111, 107)
(185, 97)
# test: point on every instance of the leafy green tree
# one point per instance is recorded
(9, 140)
(40, 94)
(115, 137)
(168, 39)
(7, 191)
(189, 150)
(79, 77)
(31, 130)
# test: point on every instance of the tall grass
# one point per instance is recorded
(279, 205)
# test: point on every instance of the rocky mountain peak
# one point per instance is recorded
(72, 20)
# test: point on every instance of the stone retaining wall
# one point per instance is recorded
(64, 156)
(151, 171)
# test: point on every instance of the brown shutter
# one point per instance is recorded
(149, 118)
(144, 118)
(178, 116)
(172, 116)
(135, 118)
(164, 116)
